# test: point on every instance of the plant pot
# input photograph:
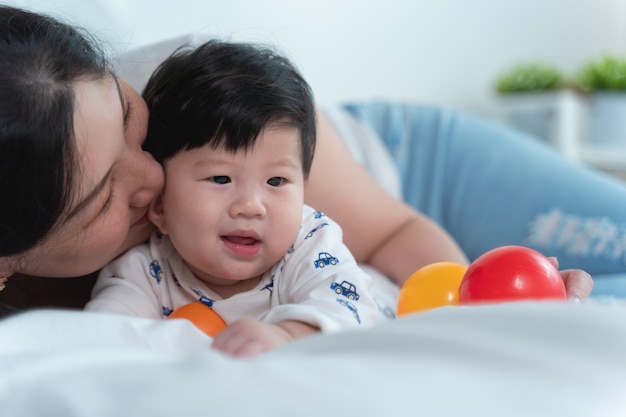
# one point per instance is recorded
(607, 119)
(557, 117)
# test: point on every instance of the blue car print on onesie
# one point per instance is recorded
(318, 214)
(350, 307)
(388, 312)
(324, 259)
(347, 289)
(206, 301)
(155, 271)
(269, 286)
(310, 234)
(203, 298)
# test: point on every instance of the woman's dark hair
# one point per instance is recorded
(40, 60)
(224, 94)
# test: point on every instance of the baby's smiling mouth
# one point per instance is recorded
(244, 244)
(240, 240)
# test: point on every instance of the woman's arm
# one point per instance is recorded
(379, 229)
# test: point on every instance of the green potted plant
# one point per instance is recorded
(604, 74)
(604, 79)
(530, 77)
(537, 98)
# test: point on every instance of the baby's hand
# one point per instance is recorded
(249, 337)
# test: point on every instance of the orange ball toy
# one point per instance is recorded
(202, 316)
(431, 286)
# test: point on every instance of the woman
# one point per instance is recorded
(77, 184)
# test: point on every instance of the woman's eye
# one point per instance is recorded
(109, 200)
(220, 179)
(128, 114)
(276, 181)
(107, 204)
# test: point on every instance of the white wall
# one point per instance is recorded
(443, 52)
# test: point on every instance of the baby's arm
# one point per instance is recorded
(249, 337)
(123, 288)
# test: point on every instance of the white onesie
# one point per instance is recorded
(316, 282)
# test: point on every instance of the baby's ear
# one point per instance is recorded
(156, 215)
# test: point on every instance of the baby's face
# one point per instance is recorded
(231, 216)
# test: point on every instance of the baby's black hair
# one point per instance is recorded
(224, 94)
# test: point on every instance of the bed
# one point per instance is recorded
(516, 359)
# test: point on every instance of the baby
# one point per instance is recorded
(234, 126)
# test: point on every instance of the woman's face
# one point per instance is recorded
(116, 182)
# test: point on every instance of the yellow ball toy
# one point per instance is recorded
(431, 286)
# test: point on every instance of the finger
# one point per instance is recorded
(251, 348)
(578, 284)
(554, 261)
(229, 340)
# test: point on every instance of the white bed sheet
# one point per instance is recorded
(526, 359)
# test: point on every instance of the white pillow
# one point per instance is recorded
(136, 65)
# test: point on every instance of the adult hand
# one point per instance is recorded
(578, 283)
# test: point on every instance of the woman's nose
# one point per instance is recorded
(149, 180)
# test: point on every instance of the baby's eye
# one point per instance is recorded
(220, 179)
(276, 181)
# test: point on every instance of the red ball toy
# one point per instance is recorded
(511, 273)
